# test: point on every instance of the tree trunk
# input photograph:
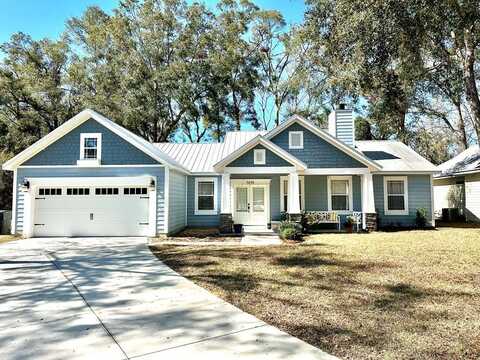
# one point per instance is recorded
(461, 127)
(471, 92)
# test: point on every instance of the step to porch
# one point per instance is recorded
(259, 230)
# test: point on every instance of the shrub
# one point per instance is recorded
(290, 230)
(349, 221)
(421, 218)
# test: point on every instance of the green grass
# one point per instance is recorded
(403, 295)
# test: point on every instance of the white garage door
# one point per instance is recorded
(91, 211)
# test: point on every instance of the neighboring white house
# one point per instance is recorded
(458, 184)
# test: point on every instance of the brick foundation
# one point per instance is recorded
(226, 223)
(371, 220)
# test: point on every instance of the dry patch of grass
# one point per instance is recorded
(7, 238)
(403, 295)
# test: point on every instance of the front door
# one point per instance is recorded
(251, 204)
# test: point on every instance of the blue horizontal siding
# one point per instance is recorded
(316, 152)
(419, 196)
(177, 201)
(202, 220)
(157, 172)
(316, 193)
(115, 150)
(271, 159)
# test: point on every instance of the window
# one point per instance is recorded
(49, 191)
(135, 191)
(106, 191)
(395, 190)
(284, 193)
(90, 146)
(205, 196)
(340, 193)
(259, 157)
(78, 191)
(295, 139)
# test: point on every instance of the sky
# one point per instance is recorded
(46, 18)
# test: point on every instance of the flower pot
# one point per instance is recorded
(237, 228)
(349, 228)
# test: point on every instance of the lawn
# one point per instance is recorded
(403, 295)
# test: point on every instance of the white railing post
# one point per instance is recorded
(368, 200)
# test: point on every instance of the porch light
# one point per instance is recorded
(25, 185)
(152, 184)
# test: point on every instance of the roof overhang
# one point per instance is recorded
(357, 155)
(79, 119)
(260, 140)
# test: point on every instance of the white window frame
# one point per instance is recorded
(263, 158)
(350, 193)
(97, 136)
(215, 196)
(386, 179)
(301, 179)
(290, 136)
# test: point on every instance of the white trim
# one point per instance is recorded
(350, 193)
(432, 201)
(260, 170)
(152, 209)
(250, 181)
(357, 155)
(336, 171)
(166, 208)
(259, 160)
(215, 196)
(221, 165)
(408, 172)
(290, 141)
(13, 223)
(226, 205)
(405, 195)
(98, 137)
(282, 194)
(186, 200)
(92, 181)
(76, 166)
(79, 119)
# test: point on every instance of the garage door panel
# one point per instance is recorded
(91, 214)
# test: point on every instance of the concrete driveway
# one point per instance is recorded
(110, 298)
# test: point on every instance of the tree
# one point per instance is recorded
(35, 94)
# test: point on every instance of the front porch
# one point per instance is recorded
(263, 200)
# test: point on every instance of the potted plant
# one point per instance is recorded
(237, 228)
(349, 222)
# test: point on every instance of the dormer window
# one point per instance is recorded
(90, 149)
(295, 139)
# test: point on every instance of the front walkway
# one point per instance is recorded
(110, 298)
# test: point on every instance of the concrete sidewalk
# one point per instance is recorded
(110, 298)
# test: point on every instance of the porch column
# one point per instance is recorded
(293, 194)
(226, 206)
(368, 200)
(226, 218)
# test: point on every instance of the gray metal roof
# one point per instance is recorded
(466, 161)
(395, 156)
(202, 157)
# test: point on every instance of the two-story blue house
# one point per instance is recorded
(92, 177)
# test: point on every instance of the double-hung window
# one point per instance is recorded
(206, 196)
(90, 146)
(284, 193)
(395, 190)
(340, 193)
